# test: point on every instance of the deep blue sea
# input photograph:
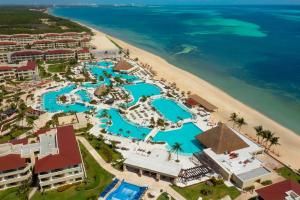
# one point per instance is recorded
(250, 52)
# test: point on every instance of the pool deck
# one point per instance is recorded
(153, 185)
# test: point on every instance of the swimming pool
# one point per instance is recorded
(141, 89)
(83, 95)
(91, 85)
(50, 104)
(170, 109)
(127, 191)
(185, 136)
(105, 63)
(98, 72)
(124, 128)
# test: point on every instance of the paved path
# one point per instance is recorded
(152, 184)
(32, 192)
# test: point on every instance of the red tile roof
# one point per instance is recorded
(277, 191)
(65, 41)
(8, 43)
(68, 155)
(70, 33)
(5, 36)
(11, 161)
(19, 141)
(31, 65)
(6, 68)
(83, 51)
(60, 51)
(51, 34)
(85, 40)
(27, 53)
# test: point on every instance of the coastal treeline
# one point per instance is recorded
(15, 20)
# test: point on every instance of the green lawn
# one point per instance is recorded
(218, 191)
(13, 134)
(56, 68)
(107, 152)
(97, 180)
(288, 174)
(9, 194)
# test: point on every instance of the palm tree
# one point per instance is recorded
(240, 122)
(259, 130)
(267, 136)
(273, 141)
(177, 147)
(233, 117)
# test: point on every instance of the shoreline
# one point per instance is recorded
(289, 140)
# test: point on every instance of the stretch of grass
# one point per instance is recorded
(56, 68)
(288, 174)
(97, 180)
(9, 194)
(107, 152)
(20, 19)
(15, 132)
(218, 191)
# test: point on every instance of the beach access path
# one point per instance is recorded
(131, 177)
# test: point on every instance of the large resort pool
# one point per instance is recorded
(171, 110)
(184, 136)
(122, 127)
(141, 89)
(115, 123)
(51, 104)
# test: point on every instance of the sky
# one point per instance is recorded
(230, 2)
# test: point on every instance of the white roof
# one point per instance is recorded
(151, 164)
(243, 163)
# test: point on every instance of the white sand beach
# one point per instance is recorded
(289, 141)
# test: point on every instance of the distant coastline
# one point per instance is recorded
(186, 81)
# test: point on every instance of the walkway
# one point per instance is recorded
(152, 184)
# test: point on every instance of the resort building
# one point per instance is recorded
(43, 44)
(160, 170)
(26, 55)
(66, 43)
(85, 43)
(54, 154)
(24, 38)
(5, 37)
(4, 57)
(125, 66)
(232, 155)
(15, 167)
(52, 36)
(285, 190)
(83, 54)
(23, 70)
(61, 54)
(61, 162)
(10, 46)
(195, 100)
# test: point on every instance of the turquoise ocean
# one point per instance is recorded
(250, 52)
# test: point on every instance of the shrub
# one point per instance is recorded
(206, 191)
(217, 181)
(266, 182)
(250, 188)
